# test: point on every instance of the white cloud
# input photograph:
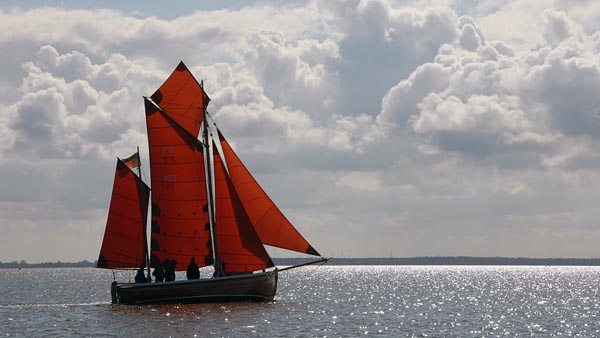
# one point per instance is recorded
(380, 45)
(565, 84)
(557, 27)
(477, 100)
(480, 114)
(39, 124)
(362, 181)
(442, 132)
(401, 101)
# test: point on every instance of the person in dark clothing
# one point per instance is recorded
(166, 265)
(173, 266)
(159, 273)
(192, 270)
(139, 277)
(169, 270)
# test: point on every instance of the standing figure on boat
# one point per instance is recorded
(173, 268)
(139, 276)
(169, 270)
(193, 272)
(159, 273)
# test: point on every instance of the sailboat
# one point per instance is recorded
(205, 206)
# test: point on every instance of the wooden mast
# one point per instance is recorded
(144, 228)
(217, 263)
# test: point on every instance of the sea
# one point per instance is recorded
(319, 301)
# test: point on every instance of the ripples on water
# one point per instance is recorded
(331, 301)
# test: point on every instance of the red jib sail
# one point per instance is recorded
(183, 99)
(124, 243)
(270, 224)
(180, 228)
(238, 244)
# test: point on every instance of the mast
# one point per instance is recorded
(144, 228)
(217, 263)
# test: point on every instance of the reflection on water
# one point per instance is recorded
(320, 301)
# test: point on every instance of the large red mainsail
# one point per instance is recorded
(180, 218)
(183, 99)
(238, 245)
(271, 225)
(124, 243)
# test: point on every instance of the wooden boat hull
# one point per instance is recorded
(251, 287)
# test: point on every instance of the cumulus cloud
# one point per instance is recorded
(566, 84)
(484, 114)
(60, 113)
(381, 45)
(426, 122)
(482, 99)
(557, 27)
(293, 75)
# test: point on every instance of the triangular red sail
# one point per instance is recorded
(180, 228)
(183, 99)
(271, 225)
(238, 245)
(124, 244)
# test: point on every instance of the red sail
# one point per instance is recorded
(183, 99)
(238, 245)
(272, 226)
(124, 245)
(180, 228)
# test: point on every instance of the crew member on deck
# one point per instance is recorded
(159, 273)
(172, 269)
(139, 277)
(169, 270)
(192, 270)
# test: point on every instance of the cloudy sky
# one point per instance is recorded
(402, 128)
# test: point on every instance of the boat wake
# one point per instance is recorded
(58, 305)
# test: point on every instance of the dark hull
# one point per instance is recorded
(251, 287)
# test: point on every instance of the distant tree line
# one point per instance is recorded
(450, 260)
(438, 260)
(58, 264)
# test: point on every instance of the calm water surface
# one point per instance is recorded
(325, 301)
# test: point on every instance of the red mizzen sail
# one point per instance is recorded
(180, 218)
(238, 244)
(124, 243)
(183, 99)
(270, 224)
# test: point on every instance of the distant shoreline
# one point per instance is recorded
(450, 260)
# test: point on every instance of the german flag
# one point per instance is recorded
(132, 161)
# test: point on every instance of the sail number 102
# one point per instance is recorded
(168, 182)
